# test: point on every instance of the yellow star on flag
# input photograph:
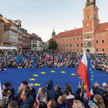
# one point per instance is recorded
(43, 72)
(32, 79)
(92, 75)
(80, 77)
(73, 74)
(91, 79)
(89, 68)
(52, 71)
(92, 72)
(37, 84)
(63, 72)
(35, 75)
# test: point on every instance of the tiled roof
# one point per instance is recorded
(102, 27)
(33, 35)
(70, 33)
(8, 25)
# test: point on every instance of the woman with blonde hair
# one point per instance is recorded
(77, 104)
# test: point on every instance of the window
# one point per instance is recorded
(73, 38)
(102, 49)
(87, 30)
(60, 40)
(66, 39)
(60, 45)
(35, 45)
(67, 49)
(87, 37)
(70, 45)
(66, 45)
(96, 49)
(77, 45)
(0, 24)
(73, 45)
(35, 41)
(96, 35)
(0, 32)
(61, 49)
(81, 50)
(73, 49)
(96, 41)
(77, 50)
(63, 45)
(63, 39)
(70, 39)
(102, 34)
(102, 41)
(81, 45)
(57, 40)
(77, 38)
(70, 50)
(88, 16)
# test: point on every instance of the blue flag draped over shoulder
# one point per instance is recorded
(21, 58)
(29, 54)
(17, 59)
(59, 58)
(91, 75)
(11, 57)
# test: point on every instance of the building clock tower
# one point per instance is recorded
(90, 14)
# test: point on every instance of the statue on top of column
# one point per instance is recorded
(90, 2)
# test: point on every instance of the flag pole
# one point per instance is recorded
(81, 88)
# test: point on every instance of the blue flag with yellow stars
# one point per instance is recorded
(91, 75)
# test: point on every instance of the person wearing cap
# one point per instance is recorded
(4, 102)
(69, 98)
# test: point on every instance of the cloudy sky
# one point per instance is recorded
(40, 16)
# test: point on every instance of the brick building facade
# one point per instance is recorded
(92, 37)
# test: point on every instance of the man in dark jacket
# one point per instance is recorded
(27, 99)
(50, 90)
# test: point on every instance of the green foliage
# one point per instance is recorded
(52, 44)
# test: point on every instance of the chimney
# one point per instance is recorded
(74, 28)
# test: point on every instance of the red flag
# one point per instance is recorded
(82, 72)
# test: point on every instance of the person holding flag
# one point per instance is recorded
(85, 71)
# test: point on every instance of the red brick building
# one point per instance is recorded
(92, 37)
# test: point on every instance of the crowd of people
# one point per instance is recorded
(47, 59)
(51, 97)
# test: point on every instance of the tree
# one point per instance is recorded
(52, 44)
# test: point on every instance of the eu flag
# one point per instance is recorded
(17, 59)
(91, 75)
(21, 57)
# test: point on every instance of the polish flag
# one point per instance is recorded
(82, 72)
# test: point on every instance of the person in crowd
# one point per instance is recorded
(42, 105)
(81, 94)
(32, 90)
(105, 97)
(24, 84)
(19, 65)
(27, 99)
(77, 104)
(93, 107)
(50, 90)
(68, 88)
(6, 86)
(18, 93)
(52, 104)
(58, 92)
(69, 98)
(11, 93)
(13, 104)
(4, 102)
(97, 101)
(61, 102)
(96, 89)
(41, 96)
